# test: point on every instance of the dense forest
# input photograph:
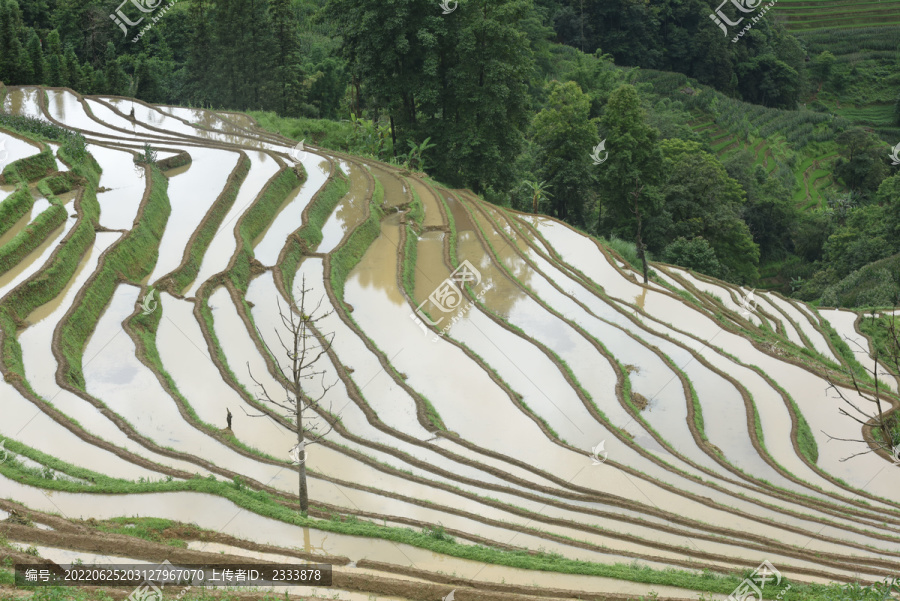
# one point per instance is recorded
(511, 97)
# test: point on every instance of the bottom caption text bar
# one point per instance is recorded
(168, 574)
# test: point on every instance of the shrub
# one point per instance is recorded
(694, 254)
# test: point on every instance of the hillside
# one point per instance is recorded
(544, 426)
(806, 15)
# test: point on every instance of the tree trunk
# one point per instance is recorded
(393, 136)
(304, 495)
(302, 492)
(638, 240)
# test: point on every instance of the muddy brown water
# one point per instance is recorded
(350, 211)
(433, 215)
(461, 218)
(448, 388)
(6, 190)
(504, 296)
(430, 270)
(22, 101)
(396, 191)
(290, 217)
(384, 316)
(35, 259)
(19, 225)
(87, 265)
(191, 194)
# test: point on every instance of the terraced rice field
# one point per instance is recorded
(818, 14)
(562, 431)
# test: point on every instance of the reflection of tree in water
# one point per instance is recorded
(503, 295)
(350, 211)
(308, 546)
(641, 298)
(18, 101)
(378, 267)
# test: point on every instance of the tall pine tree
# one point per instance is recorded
(56, 67)
(634, 165)
(288, 72)
(565, 135)
(15, 68)
(36, 56)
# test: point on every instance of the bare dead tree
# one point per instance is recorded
(882, 422)
(302, 346)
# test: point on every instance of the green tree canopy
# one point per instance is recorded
(565, 134)
(695, 254)
(634, 166)
(701, 200)
(861, 164)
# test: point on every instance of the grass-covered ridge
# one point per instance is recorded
(130, 260)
